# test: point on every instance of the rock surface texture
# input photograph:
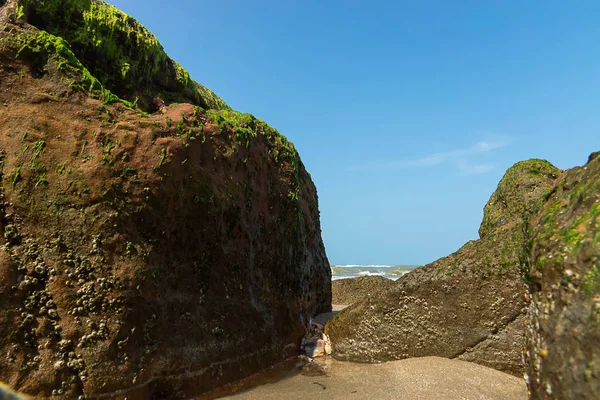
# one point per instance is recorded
(470, 305)
(351, 290)
(563, 331)
(156, 254)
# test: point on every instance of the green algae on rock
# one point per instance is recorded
(563, 248)
(121, 53)
(40, 47)
(514, 200)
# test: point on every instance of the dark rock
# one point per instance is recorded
(349, 291)
(469, 305)
(152, 255)
(563, 330)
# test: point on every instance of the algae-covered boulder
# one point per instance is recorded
(143, 255)
(351, 290)
(121, 55)
(563, 331)
(523, 184)
(470, 305)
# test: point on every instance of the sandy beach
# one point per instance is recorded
(426, 378)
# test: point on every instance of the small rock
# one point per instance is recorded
(313, 368)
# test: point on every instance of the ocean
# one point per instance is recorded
(387, 271)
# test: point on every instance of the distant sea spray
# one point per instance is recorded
(354, 270)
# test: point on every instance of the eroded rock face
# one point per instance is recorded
(349, 291)
(563, 331)
(470, 305)
(144, 255)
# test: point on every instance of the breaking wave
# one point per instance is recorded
(355, 270)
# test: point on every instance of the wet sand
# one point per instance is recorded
(427, 378)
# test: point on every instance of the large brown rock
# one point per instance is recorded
(143, 255)
(470, 305)
(351, 290)
(563, 331)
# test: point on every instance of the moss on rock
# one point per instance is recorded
(120, 52)
(515, 198)
(563, 250)
(41, 47)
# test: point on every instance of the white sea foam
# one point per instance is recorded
(365, 266)
(337, 277)
(355, 270)
(369, 273)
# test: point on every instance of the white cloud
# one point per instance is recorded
(487, 146)
(456, 156)
(474, 169)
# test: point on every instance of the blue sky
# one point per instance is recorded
(406, 114)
